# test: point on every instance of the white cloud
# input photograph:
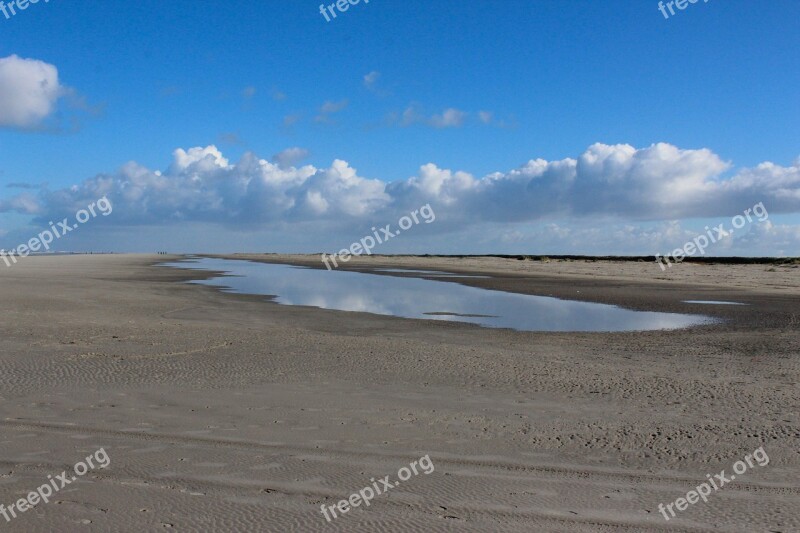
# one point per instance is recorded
(198, 159)
(449, 118)
(605, 195)
(202, 185)
(29, 91)
(661, 182)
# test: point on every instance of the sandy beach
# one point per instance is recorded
(224, 412)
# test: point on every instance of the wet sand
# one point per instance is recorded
(225, 412)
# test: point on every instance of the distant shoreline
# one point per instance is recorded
(733, 260)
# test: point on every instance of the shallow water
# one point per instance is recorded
(431, 273)
(711, 302)
(428, 299)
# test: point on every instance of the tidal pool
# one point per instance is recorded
(427, 299)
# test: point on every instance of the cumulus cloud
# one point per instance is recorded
(29, 91)
(201, 185)
(606, 182)
(661, 182)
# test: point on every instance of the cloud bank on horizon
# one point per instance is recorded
(659, 183)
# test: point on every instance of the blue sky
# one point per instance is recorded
(476, 87)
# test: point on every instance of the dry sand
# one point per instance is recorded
(229, 413)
